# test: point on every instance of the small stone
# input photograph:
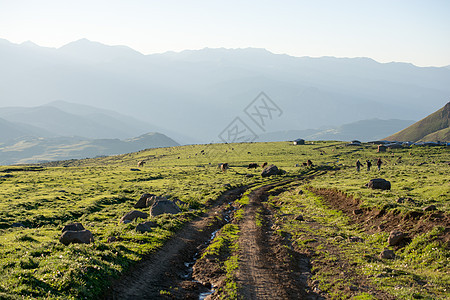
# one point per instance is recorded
(145, 227)
(77, 237)
(299, 218)
(430, 208)
(387, 254)
(132, 215)
(356, 239)
(395, 237)
(73, 227)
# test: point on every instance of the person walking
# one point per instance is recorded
(369, 164)
(379, 162)
(358, 165)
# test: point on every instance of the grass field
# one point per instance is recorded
(37, 201)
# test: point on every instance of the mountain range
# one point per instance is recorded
(195, 94)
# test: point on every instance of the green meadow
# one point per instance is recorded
(37, 201)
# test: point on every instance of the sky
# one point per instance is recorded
(416, 32)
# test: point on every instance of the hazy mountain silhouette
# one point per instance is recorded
(33, 150)
(197, 93)
(435, 127)
(364, 130)
(61, 118)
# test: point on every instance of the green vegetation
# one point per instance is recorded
(433, 126)
(98, 192)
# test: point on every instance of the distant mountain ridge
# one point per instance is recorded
(435, 127)
(186, 90)
(35, 150)
(363, 130)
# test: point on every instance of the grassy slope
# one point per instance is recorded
(436, 121)
(97, 192)
(440, 135)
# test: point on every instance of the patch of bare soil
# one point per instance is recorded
(163, 275)
(268, 267)
(374, 220)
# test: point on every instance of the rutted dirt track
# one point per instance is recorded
(267, 269)
(269, 265)
(166, 268)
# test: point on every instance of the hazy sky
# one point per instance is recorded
(392, 30)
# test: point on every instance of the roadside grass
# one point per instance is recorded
(419, 270)
(37, 201)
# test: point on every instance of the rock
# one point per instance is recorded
(430, 208)
(164, 207)
(77, 237)
(146, 226)
(355, 239)
(142, 202)
(395, 237)
(73, 227)
(269, 171)
(357, 211)
(387, 254)
(299, 218)
(112, 239)
(132, 215)
(379, 183)
(153, 199)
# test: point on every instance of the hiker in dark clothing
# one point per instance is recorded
(358, 165)
(369, 164)
(379, 162)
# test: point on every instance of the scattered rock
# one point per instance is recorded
(355, 239)
(379, 183)
(73, 227)
(270, 170)
(164, 207)
(146, 226)
(430, 208)
(142, 202)
(77, 237)
(395, 237)
(299, 218)
(387, 254)
(113, 239)
(132, 215)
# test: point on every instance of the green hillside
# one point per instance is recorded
(36, 201)
(423, 130)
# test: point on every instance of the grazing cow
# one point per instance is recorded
(141, 163)
(253, 166)
(309, 163)
(224, 167)
(264, 165)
